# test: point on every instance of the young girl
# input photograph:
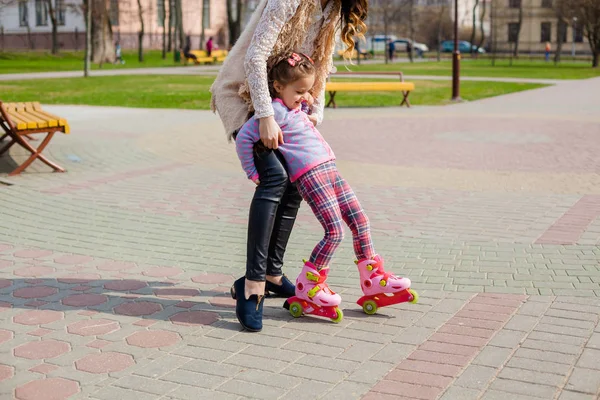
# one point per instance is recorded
(311, 165)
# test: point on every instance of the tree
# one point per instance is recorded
(481, 20)
(587, 13)
(171, 19)
(164, 32)
(440, 29)
(519, 25)
(474, 31)
(141, 32)
(52, 11)
(103, 48)
(88, 38)
(235, 10)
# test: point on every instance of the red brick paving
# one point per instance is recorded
(213, 278)
(34, 271)
(36, 292)
(125, 285)
(47, 389)
(431, 368)
(104, 362)
(194, 318)
(84, 300)
(72, 259)
(37, 253)
(133, 308)
(6, 372)
(42, 350)
(569, 228)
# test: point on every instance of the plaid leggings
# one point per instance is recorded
(332, 201)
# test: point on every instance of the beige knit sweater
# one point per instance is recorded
(276, 26)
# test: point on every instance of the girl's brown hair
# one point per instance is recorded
(353, 16)
(287, 68)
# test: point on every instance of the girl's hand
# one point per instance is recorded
(256, 181)
(309, 99)
(270, 133)
(313, 119)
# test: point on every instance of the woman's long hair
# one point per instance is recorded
(354, 14)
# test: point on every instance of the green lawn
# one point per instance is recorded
(37, 61)
(191, 92)
(484, 68)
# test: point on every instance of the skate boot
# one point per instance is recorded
(382, 288)
(313, 296)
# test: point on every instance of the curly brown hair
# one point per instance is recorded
(353, 13)
(282, 70)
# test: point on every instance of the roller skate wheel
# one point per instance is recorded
(370, 307)
(296, 309)
(415, 296)
(340, 316)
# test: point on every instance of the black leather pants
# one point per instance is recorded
(272, 215)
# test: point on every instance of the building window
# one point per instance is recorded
(61, 12)
(41, 13)
(546, 3)
(514, 3)
(513, 32)
(546, 29)
(206, 14)
(23, 13)
(113, 12)
(578, 33)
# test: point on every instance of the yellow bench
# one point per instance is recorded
(404, 87)
(19, 120)
(202, 56)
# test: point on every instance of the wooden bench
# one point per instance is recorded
(202, 57)
(404, 87)
(19, 120)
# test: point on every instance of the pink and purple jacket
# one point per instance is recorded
(303, 149)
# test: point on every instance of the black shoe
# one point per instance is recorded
(286, 289)
(248, 312)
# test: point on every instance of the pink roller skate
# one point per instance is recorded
(382, 288)
(313, 296)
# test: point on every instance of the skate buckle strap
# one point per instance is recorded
(312, 292)
(317, 278)
(378, 271)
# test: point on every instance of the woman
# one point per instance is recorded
(241, 90)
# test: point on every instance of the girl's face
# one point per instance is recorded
(294, 93)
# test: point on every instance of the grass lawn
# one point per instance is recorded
(37, 61)
(191, 92)
(484, 68)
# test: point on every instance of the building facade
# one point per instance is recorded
(25, 24)
(539, 25)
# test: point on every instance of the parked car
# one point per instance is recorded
(447, 46)
(419, 48)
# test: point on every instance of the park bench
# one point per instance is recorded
(19, 121)
(202, 56)
(403, 87)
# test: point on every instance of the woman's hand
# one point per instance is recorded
(270, 133)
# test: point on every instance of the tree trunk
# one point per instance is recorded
(203, 28)
(482, 39)
(411, 25)
(53, 20)
(474, 30)
(164, 32)
(88, 38)
(385, 35)
(560, 28)
(234, 21)
(520, 24)
(170, 31)
(439, 33)
(181, 34)
(103, 48)
(141, 32)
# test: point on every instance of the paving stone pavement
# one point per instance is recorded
(114, 277)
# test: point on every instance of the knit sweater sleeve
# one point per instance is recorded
(275, 15)
(244, 145)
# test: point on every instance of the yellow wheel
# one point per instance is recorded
(340, 316)
(296, 309)
(415, 296)
(370, 307)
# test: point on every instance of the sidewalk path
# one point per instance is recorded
(212, 70)
(114, 277)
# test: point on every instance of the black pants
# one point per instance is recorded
(272, 216)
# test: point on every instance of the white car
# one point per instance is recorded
(419, 48)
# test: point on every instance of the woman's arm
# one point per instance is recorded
(275, 15)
